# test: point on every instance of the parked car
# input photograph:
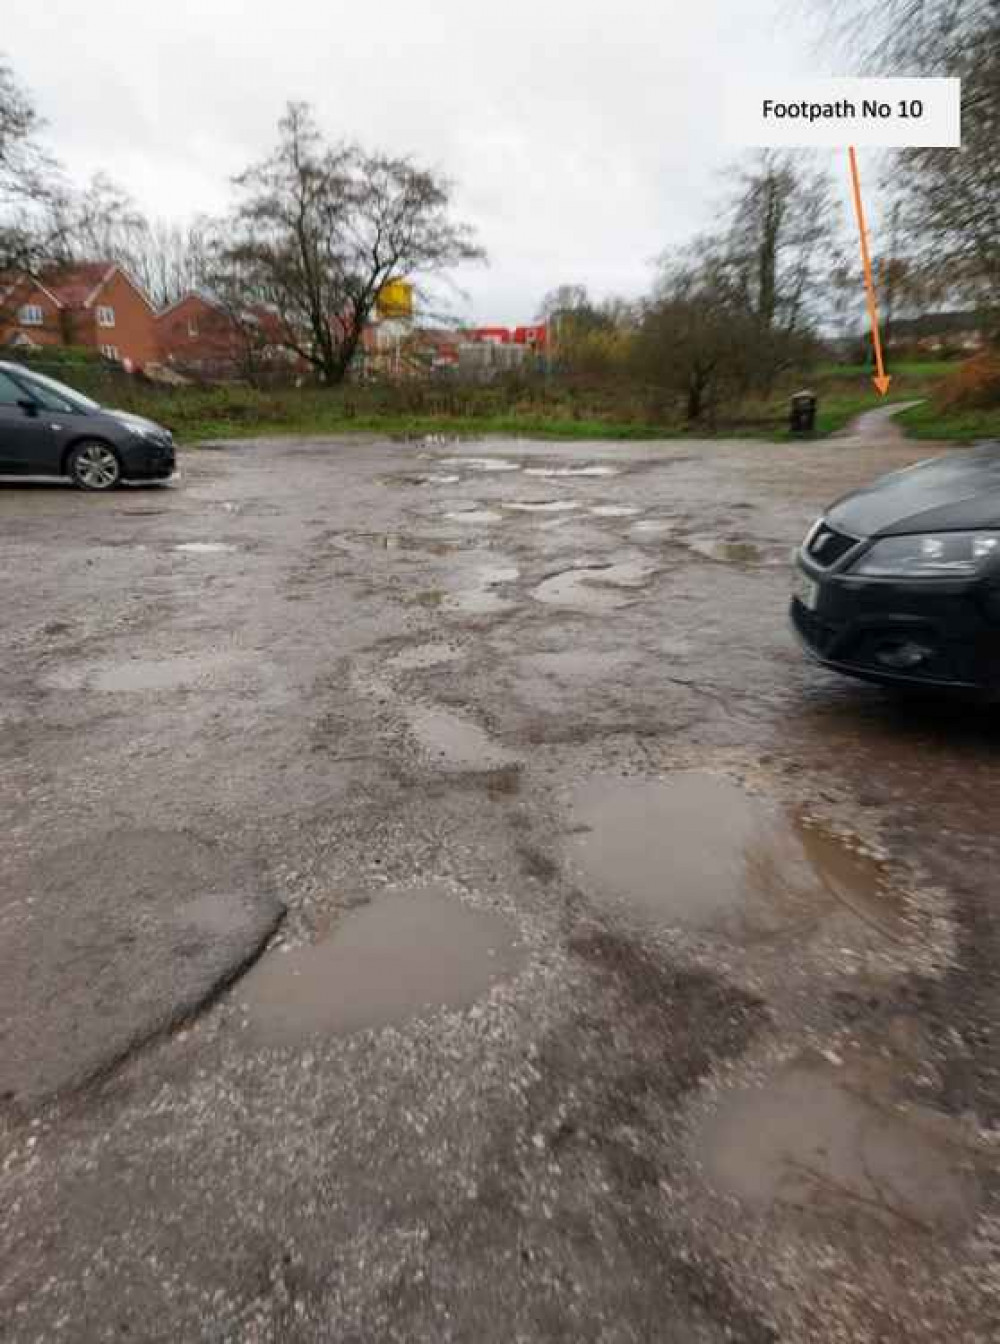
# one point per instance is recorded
(47, 429)
(900, 581)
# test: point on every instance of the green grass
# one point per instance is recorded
(612, 410)
(929, 422)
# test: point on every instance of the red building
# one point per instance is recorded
(95, 304)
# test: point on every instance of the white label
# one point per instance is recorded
(807, 113)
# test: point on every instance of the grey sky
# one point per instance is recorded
(583, 137)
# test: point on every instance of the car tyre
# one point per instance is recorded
(94, 466)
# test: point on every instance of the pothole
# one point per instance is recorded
(810, 1140)
(593, 587)
(543, 506)
(554, 472)
(399, 957)
(454, 741)
(474, 517)
(192, 671)
(733, 552)
(651, 527)
(423, 655)
(696, 849)
(485, 464)
(204, 547)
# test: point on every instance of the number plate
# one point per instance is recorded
(806, 590)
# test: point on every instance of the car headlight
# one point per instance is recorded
(933, 555)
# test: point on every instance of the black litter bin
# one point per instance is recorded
(802, 413)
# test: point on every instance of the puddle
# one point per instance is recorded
(185, 672)
(481, 463)
(652, 527)
(482, 600)
(696, 849)
(440, 478)
(615, 510)
(732, 552)
(579, 664)
(475, 516)
(204, 547)
(572, 471)
(454, 741)
(544, 506)
(399, 957)
(477, 602)
(423, 655)
(810, 1140)
(593, 587)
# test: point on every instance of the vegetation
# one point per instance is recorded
(517, 406)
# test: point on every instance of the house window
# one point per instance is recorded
(31, 315)
(105, 317)
(109, 351)
(193, 328)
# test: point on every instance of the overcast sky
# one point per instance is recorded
(583, 136)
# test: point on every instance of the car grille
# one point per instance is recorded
(827, 545)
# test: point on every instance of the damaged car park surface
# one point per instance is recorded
(446, 908)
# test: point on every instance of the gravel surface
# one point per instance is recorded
(439, 902)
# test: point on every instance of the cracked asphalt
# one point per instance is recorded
(438, 902)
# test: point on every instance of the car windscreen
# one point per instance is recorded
(53, 395)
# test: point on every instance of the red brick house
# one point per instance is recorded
(197, 335)
(94, 304)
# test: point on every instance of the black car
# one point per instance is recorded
(47, 429)
(900, 581)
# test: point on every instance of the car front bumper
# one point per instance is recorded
(929, 633)
(149, 460)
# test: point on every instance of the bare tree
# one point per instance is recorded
(779, 250)
(33, 195)
(321, 229)
(696, 340)
(950, 197)
(165, 257)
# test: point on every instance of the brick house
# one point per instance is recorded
(197, 335)
(94, 304)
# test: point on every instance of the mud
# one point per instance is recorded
(399, 956)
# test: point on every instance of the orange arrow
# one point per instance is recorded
(881, 379)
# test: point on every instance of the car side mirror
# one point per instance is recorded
(28, 406)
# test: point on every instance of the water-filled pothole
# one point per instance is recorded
(542, 506)
(398, 957)
(811, 1139)
(204, 547)
(482, 599)
(485, 464)
(186, 671)
(474, 517)
(734, 552)
(593, 587)
(423, 655)
(454, 741)
(554, 472)
(696, 849)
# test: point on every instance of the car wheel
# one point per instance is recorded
(94, 466)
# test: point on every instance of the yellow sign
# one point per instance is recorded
(395, 299)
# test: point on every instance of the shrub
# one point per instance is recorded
(974, 385)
